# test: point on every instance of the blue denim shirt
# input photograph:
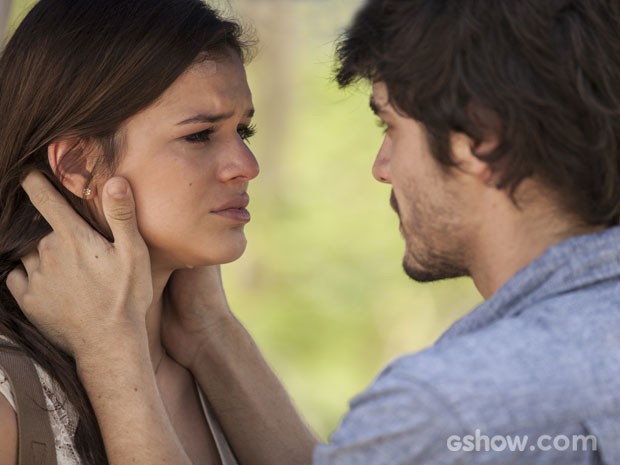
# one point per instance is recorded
(538, 362)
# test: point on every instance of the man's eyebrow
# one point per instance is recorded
(205, 118)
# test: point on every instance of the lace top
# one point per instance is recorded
(64, 420)
(63, 417)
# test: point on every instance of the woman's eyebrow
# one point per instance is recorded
(205, 118)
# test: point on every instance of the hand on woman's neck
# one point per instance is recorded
(154, 314)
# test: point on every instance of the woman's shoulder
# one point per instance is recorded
(5, 388)
(5, 385)
(8, 430)
(8, 417)
(62, 416)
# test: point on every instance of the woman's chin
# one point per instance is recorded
(215, 251)
(221, 256)
(230, 258)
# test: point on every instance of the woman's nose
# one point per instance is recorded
(240, 163)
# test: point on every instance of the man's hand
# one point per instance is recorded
(77, 287)
(195, 305)
(201, 333)
(90, 297)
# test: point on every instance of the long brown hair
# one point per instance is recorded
(79, 69)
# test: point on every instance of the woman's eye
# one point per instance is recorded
(202, 136)
(247, 131)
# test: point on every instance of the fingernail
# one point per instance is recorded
(117, 188)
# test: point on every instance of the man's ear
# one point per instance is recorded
(73, 163)
(467, 154)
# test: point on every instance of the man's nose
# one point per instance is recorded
(381, 166)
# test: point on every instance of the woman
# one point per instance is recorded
(153, 91)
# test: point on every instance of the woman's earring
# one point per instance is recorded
(86, 192)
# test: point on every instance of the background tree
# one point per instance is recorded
(5, 8)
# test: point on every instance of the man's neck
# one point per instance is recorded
(514, 238)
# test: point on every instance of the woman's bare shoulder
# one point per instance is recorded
(8, 433)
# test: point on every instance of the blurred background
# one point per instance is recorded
(321, 285)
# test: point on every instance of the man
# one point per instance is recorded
(503, 151)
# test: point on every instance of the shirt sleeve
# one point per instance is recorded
(403, 420)
(396, 421)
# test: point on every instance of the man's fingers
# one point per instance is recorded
(120, 211)
(17, 284)
(50, 203)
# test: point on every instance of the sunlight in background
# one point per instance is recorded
(321, 285)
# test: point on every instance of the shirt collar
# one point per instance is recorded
(578, 262)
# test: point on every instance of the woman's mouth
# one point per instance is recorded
(240, 215)
(235, 209)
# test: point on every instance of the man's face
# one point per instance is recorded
(426, 196)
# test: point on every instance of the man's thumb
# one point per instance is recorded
(119, 209)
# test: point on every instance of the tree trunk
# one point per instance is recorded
(273, 73)
(5, 9)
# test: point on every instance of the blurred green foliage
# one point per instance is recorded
(321, 286)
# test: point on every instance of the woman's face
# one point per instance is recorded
(188, 164)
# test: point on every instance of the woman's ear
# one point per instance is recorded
(73, 163)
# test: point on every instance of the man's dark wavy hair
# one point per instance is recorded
(543, 75)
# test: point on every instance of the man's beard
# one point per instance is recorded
(434, 268)
(434, 265)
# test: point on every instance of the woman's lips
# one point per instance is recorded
(240, 215)
(235, 209)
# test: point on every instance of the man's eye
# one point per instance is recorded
(202, 136)
(247, 132)
(382, 124)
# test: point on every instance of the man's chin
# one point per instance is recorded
(419, 275)
(427, 274)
